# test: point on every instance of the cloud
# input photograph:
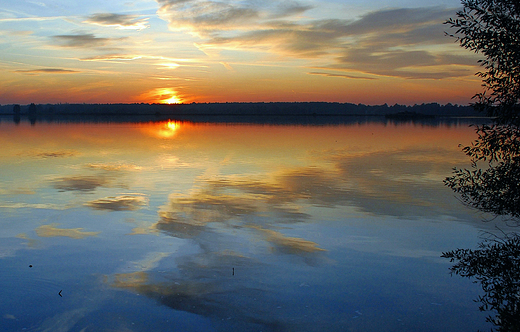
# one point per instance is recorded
(398, 19)
(112, 57)
(119, 203)
(286, 38)
(291, 245)
(391, 42)
(341, 76)
(118, 20)
(289, 8)
(47, 71)
(114, 167)
(57, 154)
(81, 40)
(79, 183)
(205, 18)
(206, 286)
(45, 206)
(400, 63)
(52, 231)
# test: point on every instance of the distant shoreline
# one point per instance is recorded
(238, 109)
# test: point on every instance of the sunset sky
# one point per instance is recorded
(360, 51)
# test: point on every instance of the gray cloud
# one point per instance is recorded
(205, 286)
(211, 18)
(206, 16)
(340, 75)
(100, 175)
(118, 20)
(404, 19)
(81, 40)
(112, 57)
(290, 245)
(79, 183)
(53, 154)
(47, 71)
(415, 64)
(119, 203)
(392, 42)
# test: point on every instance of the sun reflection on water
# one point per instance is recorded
(166, 129)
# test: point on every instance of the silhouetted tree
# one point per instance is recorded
(495, 186)
(496, 265)
(492, 28)
(32, 108)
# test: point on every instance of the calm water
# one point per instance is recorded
(176, 226)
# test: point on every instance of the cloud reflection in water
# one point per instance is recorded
(119, 203)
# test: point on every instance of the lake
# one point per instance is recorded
(182, 226)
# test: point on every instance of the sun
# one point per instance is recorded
(162, 96)
(174, 99)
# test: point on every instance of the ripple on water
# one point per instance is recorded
(27, 281)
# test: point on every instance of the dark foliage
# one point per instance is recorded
(496, 265)
(492, 28)
(495, 186)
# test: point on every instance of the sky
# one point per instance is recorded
(183, 51)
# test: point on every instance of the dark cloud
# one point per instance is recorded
(239, 199)
(119, 203)
(81, 40)
(340, 75)
(55, 154)
(118, 20)
(400, 19)
(415, 64)
(290, 245)
(47, 71)
(99, 175)
(394, 42)
(206, 286)
(112, 57)
(290, 39)
(79, 183)
(362, 181)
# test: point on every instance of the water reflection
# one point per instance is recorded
(495, 265)
(53, 231)
(230, 227)
(494, 189)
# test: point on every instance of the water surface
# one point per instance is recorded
(178, 226)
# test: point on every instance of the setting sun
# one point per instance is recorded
(173, 100)
(161, 96)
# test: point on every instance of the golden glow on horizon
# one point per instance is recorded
(246, 55)
(173, 100)
(161, 96)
